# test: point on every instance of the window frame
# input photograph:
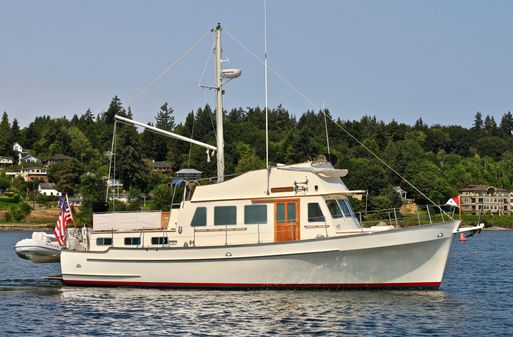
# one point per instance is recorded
(232, 217)
(132, 241)
(246, 222)
(197, 215)
(103, 243)
(155, 240)
(316, 218)
(335, 202)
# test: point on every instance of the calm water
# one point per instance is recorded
(476, 300)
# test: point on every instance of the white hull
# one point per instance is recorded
(38, 251)
(412, 257)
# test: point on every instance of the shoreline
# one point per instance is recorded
(25, 227)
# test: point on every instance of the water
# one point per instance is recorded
(476, 300)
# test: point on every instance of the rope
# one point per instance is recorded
(331, 119)
(206, 63)
(159, 76)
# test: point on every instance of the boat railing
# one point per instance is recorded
(396, 217)
(288, 230)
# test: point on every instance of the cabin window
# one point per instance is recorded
(346, 207)
(225, 215)
(159, 240)
(104, 241)
(291, 212)
(314, 212)
(132, 241)
(255, 214)
(200, 217)
(334, 208)
(280, 212)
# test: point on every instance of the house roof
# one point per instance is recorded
(188, 171)
(47, 186)
(60, 156)
(161, 164)
(481, 188)
(26, 169)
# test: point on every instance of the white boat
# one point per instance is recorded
(289, 226)
(40, 248)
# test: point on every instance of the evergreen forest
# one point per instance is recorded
(438, 159)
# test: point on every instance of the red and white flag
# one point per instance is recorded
(65, 216)
(454, 201)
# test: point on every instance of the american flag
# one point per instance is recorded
(65, 216)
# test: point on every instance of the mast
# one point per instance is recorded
(219, 105)
(266, 101)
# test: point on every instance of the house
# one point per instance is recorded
(48, 189)
(56, 159)
(75, 201)
(5, 161)
(478, 199)
(189, 174)
(33, 173)
(114, 183)
(402, 193)
(161, 166)
(29, 159)
(17, 147)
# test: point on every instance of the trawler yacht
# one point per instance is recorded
(286, 226)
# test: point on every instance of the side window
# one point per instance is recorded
(255, 214)
(159, 240)
(334, 209)
(104, 241)
(200, 217)
(132, 241)
(225, 215)
(314, 212)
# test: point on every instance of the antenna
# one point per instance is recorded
(266, 103)
(265, 88)
(326, 128)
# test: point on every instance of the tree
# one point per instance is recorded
(247, 159)
(506, 126)
(162, 196)
(130, 165)
(388, 198)
(66, 175)
(490, 127)
(5, 135)
(478, 123)
(5, 182)
(15, 132)
(93, 189)
(165, 119)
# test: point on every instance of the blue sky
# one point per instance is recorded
(439, 60)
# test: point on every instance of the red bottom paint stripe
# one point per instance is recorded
(414, 285)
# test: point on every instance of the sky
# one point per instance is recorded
(441, 61)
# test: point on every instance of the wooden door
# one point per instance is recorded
(286, 220)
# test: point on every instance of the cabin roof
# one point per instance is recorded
(284, 181)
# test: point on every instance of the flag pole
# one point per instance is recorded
(459, 205)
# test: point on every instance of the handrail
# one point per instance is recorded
(263, 233)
